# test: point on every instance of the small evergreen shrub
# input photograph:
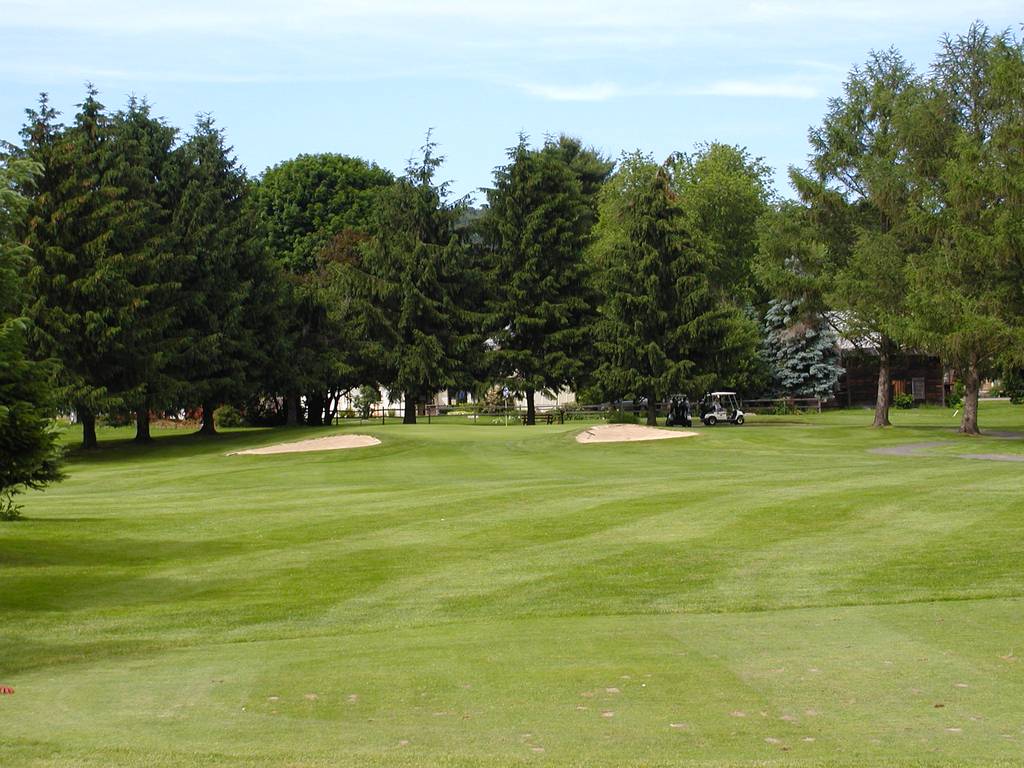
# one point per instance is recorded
(227, 416)
(903, 400)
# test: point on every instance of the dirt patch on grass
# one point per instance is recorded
(922, 449)
(332, 443)
(627, 433)
(992, 456)
(914, 449)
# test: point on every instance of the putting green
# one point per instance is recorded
(468, 595)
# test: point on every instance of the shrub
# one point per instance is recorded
(784, 408)
(903, 400)
(616, 416)
(117, 419)
(228, 416)
(8, 509)
(1012, 385)
(956, 397)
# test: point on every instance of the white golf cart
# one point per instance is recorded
(720, 406)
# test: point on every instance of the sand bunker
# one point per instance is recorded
(627, 433)
(332, 443)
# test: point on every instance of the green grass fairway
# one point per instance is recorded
(462, 595)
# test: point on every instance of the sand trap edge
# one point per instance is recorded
(330, 443)
(627, 433)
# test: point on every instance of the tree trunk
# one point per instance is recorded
(972, 383)
(652, 411)
(315, 409)
(531, 408)
(410, 409)
(292, 410)
(88, 420)
(142, 434)
(884, 397)
(209, 427)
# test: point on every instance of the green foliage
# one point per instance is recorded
(116, 417)
(618, 416)
(802, 352)
(365, 399)
(537, 226)
(956, 396)
(417, 284)
(903, 400)
(314, 214)
(724, 191)
(229, 417)
(965, 144)
(28, 442)
(305, 202)
(228, 336)
(662, 327)
(1011, 384)
(102, 278)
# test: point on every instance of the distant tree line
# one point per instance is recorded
(144, 271)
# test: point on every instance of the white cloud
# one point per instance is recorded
(587, 92)
(780, 89)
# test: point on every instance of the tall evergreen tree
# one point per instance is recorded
(662, 327)
(802, 351)
(538, 225)
(219, 357)
(417, 273)
(858, 192)
(966, 287)
(84, 292)
(28, 444)
(140, 232)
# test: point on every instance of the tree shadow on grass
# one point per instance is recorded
(183, 445)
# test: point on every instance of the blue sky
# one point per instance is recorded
(368, 78)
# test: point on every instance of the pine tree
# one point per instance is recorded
(802, 351)
(83, 289)
(141, 234)
(219, 355)
(28, 444)
(418, 274)
(662, 328)
(538, 226)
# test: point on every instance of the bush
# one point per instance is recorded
(784, 408)
(117, 419)
(8, 509)
(956, 397)
(903, 400)
(228, 416)
(621, 417)
(1012, 385)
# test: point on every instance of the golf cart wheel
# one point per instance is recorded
(711, 421)
(739, 420)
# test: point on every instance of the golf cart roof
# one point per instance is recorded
(723, 393)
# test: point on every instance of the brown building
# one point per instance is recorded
(919, 375)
